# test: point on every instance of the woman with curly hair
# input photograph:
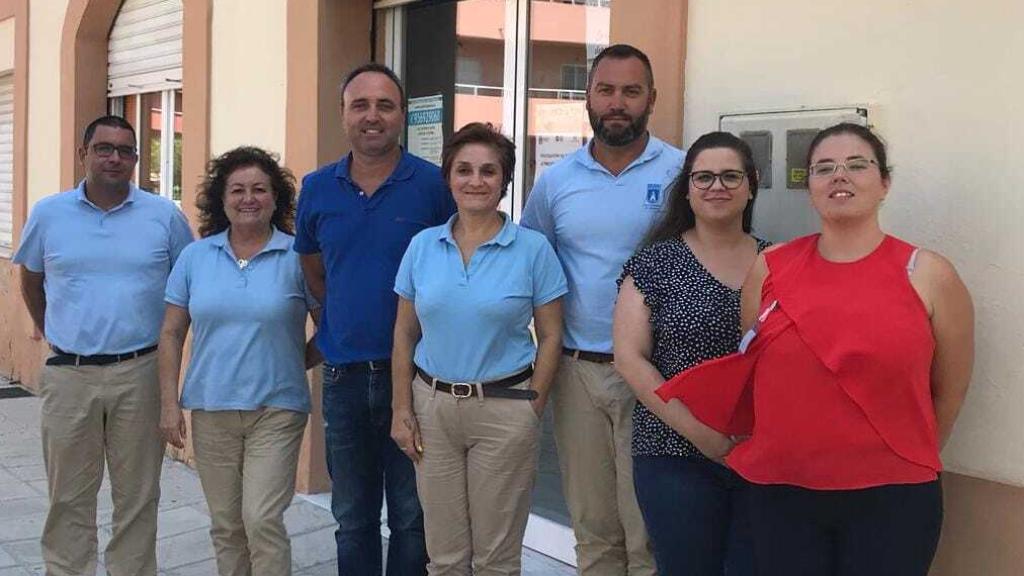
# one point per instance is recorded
(242, 291)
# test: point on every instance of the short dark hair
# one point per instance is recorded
(480, 133)
(862, 132)
(210, 201)
(622, 52)
(679, 216)
(379, 69)
(109, 120)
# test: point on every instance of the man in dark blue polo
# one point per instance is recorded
(355, 220)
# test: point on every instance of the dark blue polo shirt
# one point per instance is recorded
(361, 241)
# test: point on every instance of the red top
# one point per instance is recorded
(835, 389)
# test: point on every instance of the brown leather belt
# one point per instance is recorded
(493, 389)
(598, 357)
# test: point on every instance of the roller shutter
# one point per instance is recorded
(6, 164)
(144, 50)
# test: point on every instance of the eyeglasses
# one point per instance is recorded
(105, 150)
(704, 179)
(851, 166)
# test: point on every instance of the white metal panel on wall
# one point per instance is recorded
(6, 164)
(144, 49)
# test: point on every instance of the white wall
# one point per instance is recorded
(944, 80)
(247, 100)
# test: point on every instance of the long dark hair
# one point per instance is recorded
(679, 216)
(210, 201)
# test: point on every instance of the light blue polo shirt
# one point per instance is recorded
(595, 221)
(248, 325)
(104, 271)
(475, 319)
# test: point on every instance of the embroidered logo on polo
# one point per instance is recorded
(653, 198)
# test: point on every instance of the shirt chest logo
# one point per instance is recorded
(653, 198)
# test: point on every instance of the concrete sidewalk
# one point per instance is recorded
(183, 544)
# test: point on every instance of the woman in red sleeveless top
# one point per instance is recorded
(848, 382)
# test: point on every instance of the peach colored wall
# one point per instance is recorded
(7, 45)
(659, 28)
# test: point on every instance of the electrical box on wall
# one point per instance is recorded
(780, 141)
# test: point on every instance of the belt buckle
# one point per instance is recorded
(456, 386)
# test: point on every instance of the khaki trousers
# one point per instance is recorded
(593, 409)
(91, 414)
(246, 461)
(475, 480)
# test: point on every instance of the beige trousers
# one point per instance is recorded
(593, 409)
(475, 480)
(91, 414)
(246, 461)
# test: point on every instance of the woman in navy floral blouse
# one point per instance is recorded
(679, 306)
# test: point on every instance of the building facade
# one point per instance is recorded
(940, 80)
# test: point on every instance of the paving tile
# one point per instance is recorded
(179, 486)
(6, 560)
(23, 507)
(28, 473)
(325, 569)
(16, 490)
(180, 520)
(302, 517)
(28, 457)
(183, 549)
(22, 527)
(26, 552)
(204, 568)
(313, 548)
(40, 487)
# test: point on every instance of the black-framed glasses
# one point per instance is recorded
(851, 166)
(106, 150)
(704, 179)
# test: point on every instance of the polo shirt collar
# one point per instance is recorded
(279, 241)
(504, 237)
(80, 195)
(653, 149)
(404, 171)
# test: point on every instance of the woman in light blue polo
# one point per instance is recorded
(242, 291)
(469, 383)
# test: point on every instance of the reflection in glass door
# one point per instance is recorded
(454, 59)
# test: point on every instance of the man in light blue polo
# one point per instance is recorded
(94, 264)
(355, 220)
(595, 206)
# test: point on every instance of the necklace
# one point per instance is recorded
(244, 262)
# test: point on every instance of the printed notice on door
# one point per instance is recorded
(426, 138)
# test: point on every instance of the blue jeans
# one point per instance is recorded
(696, 515)
(366, 465)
